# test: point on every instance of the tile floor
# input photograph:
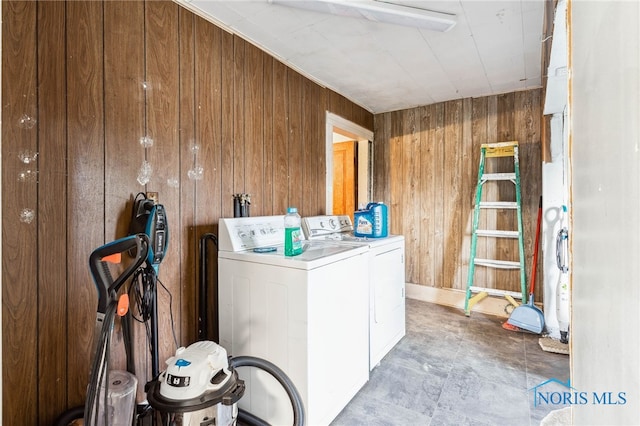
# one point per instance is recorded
(454, 370)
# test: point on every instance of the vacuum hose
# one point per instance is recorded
(281, 377)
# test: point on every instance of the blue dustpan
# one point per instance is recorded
(528, 317)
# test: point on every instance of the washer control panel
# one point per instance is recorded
(317, 226)
(247, 233)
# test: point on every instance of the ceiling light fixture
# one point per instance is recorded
(378, 11)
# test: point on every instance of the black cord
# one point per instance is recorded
(173, 326)
(142, 291)
(143, 286)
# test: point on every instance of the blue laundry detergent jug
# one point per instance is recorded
(372, 222)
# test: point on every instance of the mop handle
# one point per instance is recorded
(535, 249)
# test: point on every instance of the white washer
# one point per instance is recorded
(387, 279)
(307, 314)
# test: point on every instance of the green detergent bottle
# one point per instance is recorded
(292, 233)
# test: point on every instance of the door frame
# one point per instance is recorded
(338, 124)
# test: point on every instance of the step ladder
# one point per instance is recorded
(474, 293)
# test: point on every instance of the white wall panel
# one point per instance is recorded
(606, 203)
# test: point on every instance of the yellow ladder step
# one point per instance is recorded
(482, 293)
(500, 149)
(497, 292)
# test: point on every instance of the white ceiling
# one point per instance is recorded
(495, 47)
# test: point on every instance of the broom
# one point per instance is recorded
(529, 317)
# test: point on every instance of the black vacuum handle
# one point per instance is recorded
(102, 278)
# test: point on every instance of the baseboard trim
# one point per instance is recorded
(455, 298)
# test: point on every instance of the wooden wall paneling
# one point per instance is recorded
(254, 128)
(529, 126)
(52, 214)
(239, 166)
(317, 128)
(363, 117)
(467, 192)
(322, 158)
(225, 165)
(20, 250)
(521, 105)
(396, 209)
(426, 199)
(227, 91)
(507, 249)
(452, 193)
(209, 137)
(280, 138)
(378, 160)
(346, 107)
(343, 107)
(310, 153)
(381, 165)
(208, 78)
(367, 120)
(479, 130)
(85, 182)
(491, 191)
(376, 174)
(124, 75)
(309, 142)
(506, 121)
(438, 211)
(162, 76)
(357, 114)
(124, 111)
(267, 149)
(448, 152)
(339, 105)
(296, 142)
(189, 239)
(409, 195)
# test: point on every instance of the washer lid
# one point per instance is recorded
(315, 254)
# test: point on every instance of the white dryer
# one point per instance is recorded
(308, 314)
(386, 273)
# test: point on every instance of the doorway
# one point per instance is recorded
(344, 177)
(349, 154)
